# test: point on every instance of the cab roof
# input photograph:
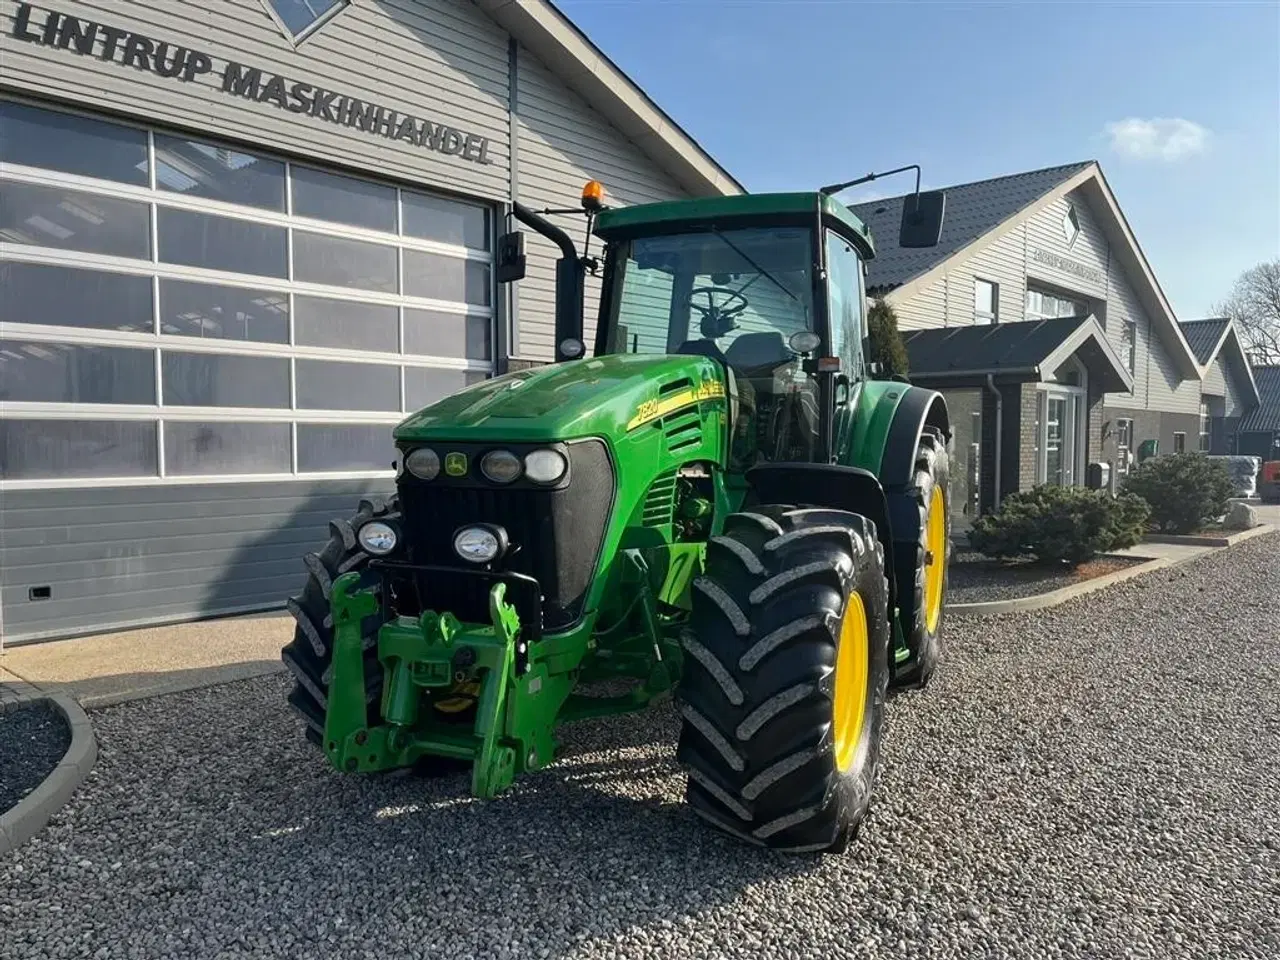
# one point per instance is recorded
(623, 220)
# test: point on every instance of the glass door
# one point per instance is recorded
(1059, 440)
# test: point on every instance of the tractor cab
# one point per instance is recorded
(772, 286)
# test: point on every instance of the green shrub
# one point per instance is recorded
(885, 341)
(1060, 525)
(1184, 490)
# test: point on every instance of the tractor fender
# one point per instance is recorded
(916, 409)
(829, 485)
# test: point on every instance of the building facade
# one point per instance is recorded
(1228, 392)
(238, 242)
(1040, 319)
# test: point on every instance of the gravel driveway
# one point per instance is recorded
(1100, 780)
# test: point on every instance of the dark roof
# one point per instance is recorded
(973, 209)
(1203, 336)
(1267, 415)
(1004, 349)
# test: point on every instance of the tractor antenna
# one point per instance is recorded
(837, 187)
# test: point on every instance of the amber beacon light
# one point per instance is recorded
(593, 196)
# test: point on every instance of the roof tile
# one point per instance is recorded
(973, 209)
(1203, 336)
(1267, 415)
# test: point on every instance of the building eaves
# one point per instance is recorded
(552, 37)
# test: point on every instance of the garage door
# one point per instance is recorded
(179, 311)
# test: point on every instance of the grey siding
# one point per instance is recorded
(440, 60)
(562, 143)
(1036, 252)
(1222, 380)
(127, 556)
(124, 556)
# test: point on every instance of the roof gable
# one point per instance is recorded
(1205, 337)
(1208, 338)
(1046, 186)
(1267, 415)
(973, 210)
(583, 67)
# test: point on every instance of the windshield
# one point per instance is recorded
(747, 291)
(739, 296)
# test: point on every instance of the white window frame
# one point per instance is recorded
(1130, 333)
(157, 198)
(1075, 429)
(296, 39)
(980, 317)
(1124, 451)
(1176, 435)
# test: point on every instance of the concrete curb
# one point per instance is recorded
(36, 809)
(1053, 598)
(1227, 540)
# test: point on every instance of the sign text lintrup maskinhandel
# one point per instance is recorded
(129, 49)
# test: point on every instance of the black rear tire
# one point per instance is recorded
(912, 558)
(758, 688)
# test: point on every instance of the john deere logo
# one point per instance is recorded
(455, 464)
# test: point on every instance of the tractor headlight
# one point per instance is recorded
(500, 466)
(423, 463)
(377, 538)
(481, 544)
(545, 466)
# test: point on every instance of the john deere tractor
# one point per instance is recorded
(717, 503)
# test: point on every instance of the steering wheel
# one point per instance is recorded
(717, 319)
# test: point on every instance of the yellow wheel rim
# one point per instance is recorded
(935, 559)
(851, 681)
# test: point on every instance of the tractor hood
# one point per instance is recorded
(598, 396)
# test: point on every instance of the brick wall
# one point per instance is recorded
(1028, 439)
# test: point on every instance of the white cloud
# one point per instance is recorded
(1158, 138)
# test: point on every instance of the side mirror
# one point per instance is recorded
(922, 216)
(509, 264)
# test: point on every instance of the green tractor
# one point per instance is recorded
(719, 504)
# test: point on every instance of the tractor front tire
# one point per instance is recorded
(924, 563)
(785, 672)
(310, 653)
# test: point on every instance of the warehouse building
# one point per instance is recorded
(238, 241)
(1040, 319)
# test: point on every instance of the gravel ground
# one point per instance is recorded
(975, 578)
(1098, 781)
(33, 739)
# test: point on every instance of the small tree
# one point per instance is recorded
(1254, 305)
(887, 347)
(1184, 490)
(1060, 525)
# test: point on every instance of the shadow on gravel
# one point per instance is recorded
(598, 846)
(208, 816)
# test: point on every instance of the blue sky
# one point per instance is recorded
(1178, 101)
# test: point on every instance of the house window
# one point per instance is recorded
(1204, 428)
(299, 18)
(1129, 344)
(986, 301)
(1124, 443)
(1179, 443)
(1048, 306)
(1070, 226)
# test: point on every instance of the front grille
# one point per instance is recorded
(555, 534)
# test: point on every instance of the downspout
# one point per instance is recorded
(991, 385)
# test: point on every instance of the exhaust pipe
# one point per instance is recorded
(570, 284)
